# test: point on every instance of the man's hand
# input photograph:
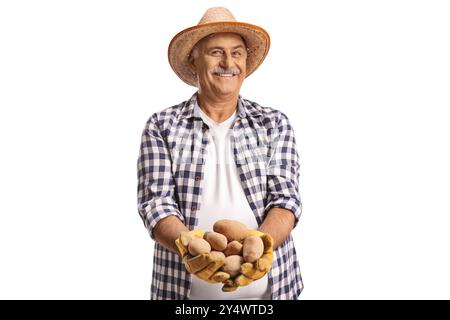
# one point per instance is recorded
(206, 265)
(256, 270)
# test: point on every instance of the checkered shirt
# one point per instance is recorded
(171, 168)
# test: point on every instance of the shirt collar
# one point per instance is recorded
(245, 108)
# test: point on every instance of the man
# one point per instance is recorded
(219, 156)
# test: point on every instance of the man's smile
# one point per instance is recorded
(225, 75)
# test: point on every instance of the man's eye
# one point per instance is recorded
(237, 53)
(216, 52)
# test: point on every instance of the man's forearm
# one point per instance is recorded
(167, 231)
(278, 223)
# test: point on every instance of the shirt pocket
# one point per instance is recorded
(251, 158)
(181, 154)
(251, 149)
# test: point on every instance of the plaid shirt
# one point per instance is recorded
(170, 171)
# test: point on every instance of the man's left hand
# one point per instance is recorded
(256, 270)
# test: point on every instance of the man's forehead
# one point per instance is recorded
(216, 39)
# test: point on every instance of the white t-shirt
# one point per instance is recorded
(223, 198)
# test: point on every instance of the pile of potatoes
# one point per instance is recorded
(228, 241)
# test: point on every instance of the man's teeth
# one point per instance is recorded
(224, 74)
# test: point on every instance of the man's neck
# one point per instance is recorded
(218, 110)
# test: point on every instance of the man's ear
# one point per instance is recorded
(192, 66)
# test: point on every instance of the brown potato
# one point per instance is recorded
(216, 240)
(234, 247)
(198, 246)
(217, 255)
(232, 265)
(232, 229)
(252, 249)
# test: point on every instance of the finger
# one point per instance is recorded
(197, 233)
(242, 281)
(185, 237)
(186, 264)
(265, 262)
(210, 269)
(246, 268)
(254, 233)
(229, 286)
(181, 248)
(219, 277)
(268, 243)
(198, 263)
(252, 272)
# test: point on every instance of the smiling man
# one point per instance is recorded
(219, 156)
(219, 62)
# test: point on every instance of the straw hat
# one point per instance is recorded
(215, 20)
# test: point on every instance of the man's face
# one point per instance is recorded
(221, 64)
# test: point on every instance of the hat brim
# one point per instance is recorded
(256, 38)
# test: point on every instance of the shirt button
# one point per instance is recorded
(194, 208)
(197, 178)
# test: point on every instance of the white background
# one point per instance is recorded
(365, 84)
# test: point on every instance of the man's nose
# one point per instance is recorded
(226, 61)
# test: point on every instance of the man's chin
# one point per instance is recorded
(221, 89)
(227, 88)
(226, 92)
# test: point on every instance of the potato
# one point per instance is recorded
(232, 229)
(252, 249)
(217, 255)
(233, 248)
(216, 240)
(232, 265)
(198, 246)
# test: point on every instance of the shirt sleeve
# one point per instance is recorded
(155, 181)
(284, 170)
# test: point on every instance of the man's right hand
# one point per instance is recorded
(206, 265)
